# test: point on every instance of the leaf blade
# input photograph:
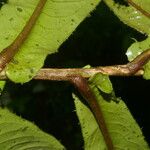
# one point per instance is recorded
(16, 133)
(123, 129)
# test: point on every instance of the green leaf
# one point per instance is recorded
(131, 16)
(102, 82)
(19, 134)
(2, 85)
(57, 21)
(123, 129)
(137, 48)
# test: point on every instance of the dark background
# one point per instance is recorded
(99, 40)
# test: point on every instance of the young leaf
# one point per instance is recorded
(137, 48)
(57, 21)
(131, 16)
(123, 129)
(19, 134)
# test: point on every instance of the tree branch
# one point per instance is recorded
(56, 74)
(76, 76)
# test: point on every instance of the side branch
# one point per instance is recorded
(83, 87)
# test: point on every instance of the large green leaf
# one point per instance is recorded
(19, 134)
(57, 21)
(131, 16)
(123, 129)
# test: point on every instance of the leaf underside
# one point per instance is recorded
(123, 129)
(57, 21)
(19, 134)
